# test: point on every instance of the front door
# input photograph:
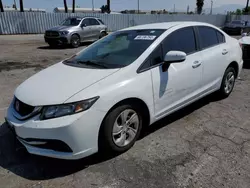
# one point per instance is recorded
(181, 83)
(86, 32)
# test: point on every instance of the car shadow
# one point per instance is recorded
(15, 158)
(61, 47)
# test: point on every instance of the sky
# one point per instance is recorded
(117, 5)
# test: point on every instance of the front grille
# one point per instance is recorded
(51, 34)
(246, 52)
(22, 108)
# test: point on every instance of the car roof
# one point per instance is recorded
(167, 25)
(83, 17)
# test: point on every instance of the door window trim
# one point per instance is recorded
(197, 44)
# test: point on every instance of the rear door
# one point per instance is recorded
(95, 27)
(214, 51)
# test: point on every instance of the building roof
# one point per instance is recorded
(61, 9)
(166, 25)
(25, 9)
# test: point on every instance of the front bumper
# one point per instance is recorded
(57, 40)
(78, 132)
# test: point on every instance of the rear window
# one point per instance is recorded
(221, 37)
(101, 21)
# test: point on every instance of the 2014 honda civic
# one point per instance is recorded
(102, 97)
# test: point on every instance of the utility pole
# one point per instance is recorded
(93, 7)
(211, 11)
(1, 6)
(21, 6)
(73, 6)
(138, 6)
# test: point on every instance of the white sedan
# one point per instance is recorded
(102, 97)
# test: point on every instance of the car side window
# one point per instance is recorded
(221, 37)
(85, 22)
(94, 22)
(181, 40)
(156, 56)
(208, 37)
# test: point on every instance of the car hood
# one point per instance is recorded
(60, 28)
(245, 40)
(58, 83)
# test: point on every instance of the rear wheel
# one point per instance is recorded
(120, 129)
(75, 41)
(103, 34)
(228, 82)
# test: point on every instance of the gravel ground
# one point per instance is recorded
(204, 145)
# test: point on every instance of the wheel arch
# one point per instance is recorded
(133, 100)
(75, 34)
(234, 65)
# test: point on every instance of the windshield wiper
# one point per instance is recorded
(93, 63)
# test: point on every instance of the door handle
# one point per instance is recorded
(224, 52)
(196, 64)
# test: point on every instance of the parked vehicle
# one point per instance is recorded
(235, 27)
(75, 30)
(245, 44)
(101, 98)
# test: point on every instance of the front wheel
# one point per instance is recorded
(120, 129)
(228, 82)
(75, 41)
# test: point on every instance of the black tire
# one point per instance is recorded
(75, 41)
(106, 141)
(223, 92)
(103, 34)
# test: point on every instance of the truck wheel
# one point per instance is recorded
(75, 41)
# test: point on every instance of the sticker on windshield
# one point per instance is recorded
(145, 37)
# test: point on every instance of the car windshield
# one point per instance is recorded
(117, 50)
(71, 22)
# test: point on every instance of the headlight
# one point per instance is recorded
(64, 32)
(55, 111)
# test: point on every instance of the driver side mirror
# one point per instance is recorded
(173, 57)
(84, 25)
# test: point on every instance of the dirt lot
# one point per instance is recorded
(204, 145)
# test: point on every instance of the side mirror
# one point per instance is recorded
(83, 25)
(175, 57)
